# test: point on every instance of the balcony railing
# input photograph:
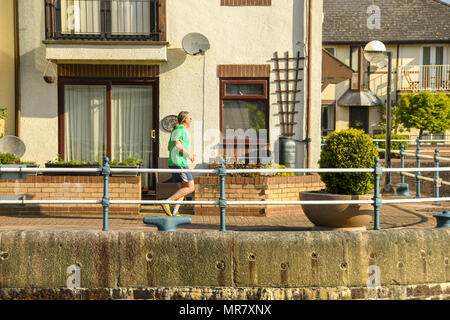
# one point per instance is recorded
(425, 77)
(104, 20)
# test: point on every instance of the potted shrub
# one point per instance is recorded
(128, 163)
(10, 160)
(59, 163)
(349, 148)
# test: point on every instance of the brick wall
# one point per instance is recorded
(254, 189)
(71, 188)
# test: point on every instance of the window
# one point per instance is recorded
(245, 119)
(432, 73)
(331, 50)
(103, 19)
(328, 118)
(106, 118)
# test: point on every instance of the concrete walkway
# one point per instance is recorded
(392, 216)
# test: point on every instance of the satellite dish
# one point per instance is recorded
(12, 144)
(195, 43)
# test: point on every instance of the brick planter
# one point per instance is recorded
(254, 189)
(71, 188)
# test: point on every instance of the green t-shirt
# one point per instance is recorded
(176, 157)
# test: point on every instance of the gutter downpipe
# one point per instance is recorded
(17, 113)
(308, 110)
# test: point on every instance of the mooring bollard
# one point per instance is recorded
(443, 219)
(418, 166)
(377, 200)
(437, 181)
(106, 171)
(222, 200)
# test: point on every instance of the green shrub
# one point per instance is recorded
(131, 162)
(395, 145)
(349, 148)
(256, 166)
(8, 158)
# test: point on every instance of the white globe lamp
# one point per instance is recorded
(374, 51)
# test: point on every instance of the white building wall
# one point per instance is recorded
(238, 35)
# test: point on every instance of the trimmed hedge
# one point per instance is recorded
(349, 148)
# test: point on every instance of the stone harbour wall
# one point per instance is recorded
(384, 264)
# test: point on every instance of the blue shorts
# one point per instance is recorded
(181, 176)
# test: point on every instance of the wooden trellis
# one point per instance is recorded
(287, 89)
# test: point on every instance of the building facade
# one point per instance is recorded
(103, 78)
(417, 34)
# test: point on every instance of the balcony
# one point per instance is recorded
(425, 78)
(90, 31)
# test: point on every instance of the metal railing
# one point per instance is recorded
(106, 171)
(437, 181)
(103, 19)
(425, 77)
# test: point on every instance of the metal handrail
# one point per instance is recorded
(106, 171)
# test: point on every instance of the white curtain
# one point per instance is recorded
(85, 122)
(131, 123)
(80, 16)
(130, 16)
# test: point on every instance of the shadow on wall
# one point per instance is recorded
(175, 58)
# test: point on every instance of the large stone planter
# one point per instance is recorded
(337, 216)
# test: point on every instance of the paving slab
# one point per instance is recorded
(392, 216)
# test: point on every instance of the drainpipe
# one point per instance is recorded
(308, 110)
(16, 70)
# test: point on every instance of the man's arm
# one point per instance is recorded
(180, 147)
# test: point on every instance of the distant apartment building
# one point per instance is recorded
(417, 32)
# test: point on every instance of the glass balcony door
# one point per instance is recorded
(103, 19)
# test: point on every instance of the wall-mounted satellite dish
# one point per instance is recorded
(12, 144)
(195, 43)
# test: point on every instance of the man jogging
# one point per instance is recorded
(179, 145)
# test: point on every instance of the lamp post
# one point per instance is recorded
(375, 51)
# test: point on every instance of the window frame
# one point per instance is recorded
(108, 83)
(53, 16)
(264, 97)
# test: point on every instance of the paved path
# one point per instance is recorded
(392, 216)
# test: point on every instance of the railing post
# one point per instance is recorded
(377, 200)
(402, 187)
(222, 200)
(402, 163)
(437, 181)
(418, 166)
(106, 171)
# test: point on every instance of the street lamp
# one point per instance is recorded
(375, 51)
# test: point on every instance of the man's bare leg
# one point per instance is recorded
(184, 188)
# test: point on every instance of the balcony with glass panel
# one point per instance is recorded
(105, 30)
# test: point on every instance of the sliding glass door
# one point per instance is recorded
(108, 119)
(131, 123)
(85, 122)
